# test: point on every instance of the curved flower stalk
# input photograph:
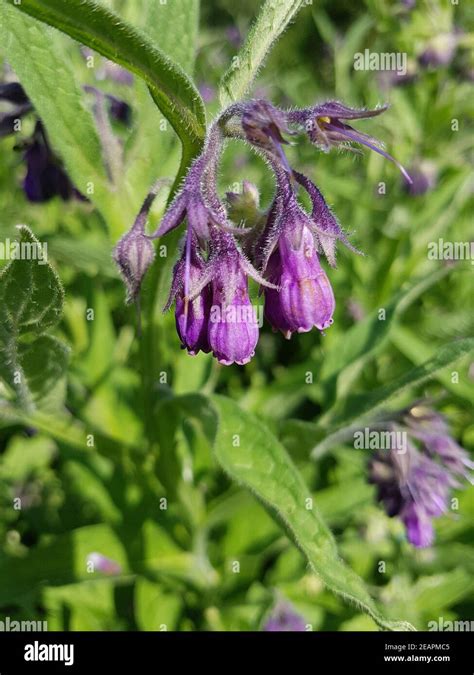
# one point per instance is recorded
(280, 249)
(415, 484)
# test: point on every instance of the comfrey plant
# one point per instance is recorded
(415, 485)
(281, 249)
(155, 428)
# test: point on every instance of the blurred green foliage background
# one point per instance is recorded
(176, 562)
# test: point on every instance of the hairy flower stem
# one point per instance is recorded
(149, 343)
(191, 160)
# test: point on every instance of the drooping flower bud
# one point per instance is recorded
(324, 224)
(305, 298)
(189, 203)
(263, 125)
(134, 252)
(192, 306)
(233, 324)
(325, 128)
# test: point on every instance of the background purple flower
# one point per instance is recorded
(283, 618)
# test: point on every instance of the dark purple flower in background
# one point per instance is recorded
(283, 618)
(45, 177)
(14, 93)
(119, 110)
(18, 105)
(416, 485)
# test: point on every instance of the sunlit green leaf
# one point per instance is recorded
(97, 27)
(271, 22)
(250, 454)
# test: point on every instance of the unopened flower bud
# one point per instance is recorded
(133, 254)
(244, 206)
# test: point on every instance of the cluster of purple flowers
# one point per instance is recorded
(416, 484)
(280, 250)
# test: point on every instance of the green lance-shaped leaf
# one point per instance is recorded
(101, 29)
(163, 20)
(250, 454)
(32, 363)
(151, 152)
(273, 18)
